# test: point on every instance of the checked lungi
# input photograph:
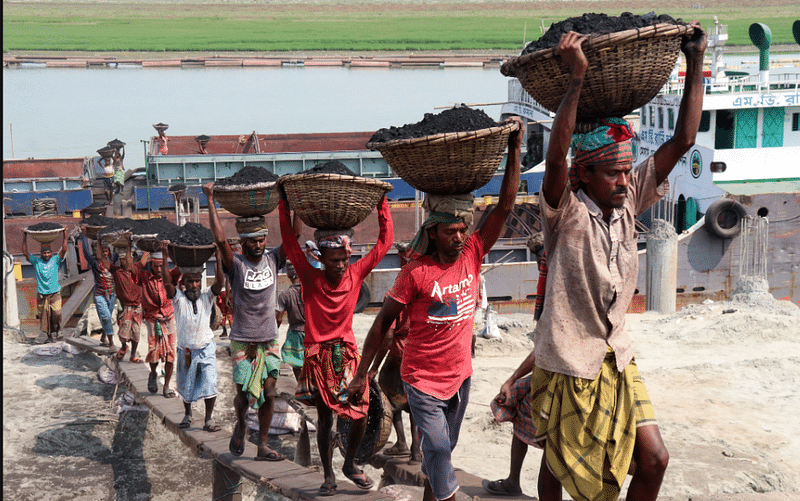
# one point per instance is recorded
(328, 369)
(130, 323)
(582, 422)
(198, 381)
(162, 338)
(293, 349)
(48, 307)
(518, 411)
(253, 363)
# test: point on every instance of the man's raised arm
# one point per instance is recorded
(555, 173)
(691, 109)
(495, 221)
(216, 228)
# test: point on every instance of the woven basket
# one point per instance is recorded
(92, 231)
(449, 163)
(626, 70)
(333, 201)
(147, 243)
(46, 236)
(100, 211)
(378, 427)
(115, 239)
(190, 255)
(247, 200)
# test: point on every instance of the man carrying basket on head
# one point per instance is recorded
(48, 290)
(331, 354)
(440, 289)
(255, 351)
(589, 406)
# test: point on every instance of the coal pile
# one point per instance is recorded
(597, 24)
(331, 167)
(190, 234)
(45, 226)
(115, 225)
(97, 220)
(461, 119)
(249, 175)
(153, 226)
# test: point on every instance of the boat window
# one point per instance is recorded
(671, 118)
(724, 132)
(644, 116)
(795, 122)
(660, 117)
(652, 116)
(705, 122)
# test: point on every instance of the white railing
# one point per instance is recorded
(741, 84)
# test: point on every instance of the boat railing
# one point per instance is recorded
(518, 94)
(741, 84)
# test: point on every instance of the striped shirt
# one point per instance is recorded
(103, 280)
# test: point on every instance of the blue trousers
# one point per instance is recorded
(438, 424)
(104, 310)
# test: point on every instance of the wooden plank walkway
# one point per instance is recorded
(284, 477)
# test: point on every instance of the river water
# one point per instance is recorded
(71, 112)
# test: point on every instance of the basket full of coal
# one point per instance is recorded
(330, 196)
(190, 245)
(252, 191)
(630, 59)
(44, 232)
(453, 152)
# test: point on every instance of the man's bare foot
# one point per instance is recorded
(398, 449)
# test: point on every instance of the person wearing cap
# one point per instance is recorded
(440, 290)
(197, 352)
(159, 317)
(290, 301)
(105, 299)
(331, 353)
(48, 290)
(129, 294)
(589, 406)
(255, 351)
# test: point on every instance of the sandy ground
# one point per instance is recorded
(723, 384)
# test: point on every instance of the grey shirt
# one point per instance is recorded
(253, 291)
(291, 301)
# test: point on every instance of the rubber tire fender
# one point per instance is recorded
(731, 209)
(364, 297)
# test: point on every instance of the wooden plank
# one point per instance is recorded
(288, 478)
(78, 296)
(89, 344)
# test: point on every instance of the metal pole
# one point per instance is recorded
(147, 174)
(11, 129)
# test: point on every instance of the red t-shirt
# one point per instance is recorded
(440, 299)
(329, 310)
(155, 302)
(400, 334)
(128, 291)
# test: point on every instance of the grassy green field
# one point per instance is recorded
(347, 25)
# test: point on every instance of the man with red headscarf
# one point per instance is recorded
(589, 406)
(331, 354)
